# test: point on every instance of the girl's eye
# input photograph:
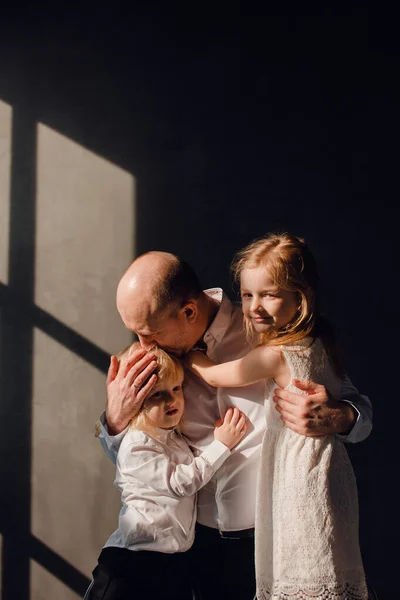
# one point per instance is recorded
(177, 388)
(157, 394)
(246, 295)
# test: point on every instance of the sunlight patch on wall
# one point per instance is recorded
(5, 164)
(85, 236)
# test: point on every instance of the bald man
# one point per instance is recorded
(159, 298)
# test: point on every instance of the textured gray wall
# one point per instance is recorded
(123, 133)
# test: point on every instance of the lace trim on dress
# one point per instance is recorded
(289, 591)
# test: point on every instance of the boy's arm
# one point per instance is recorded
(149, 465)
(260, 363)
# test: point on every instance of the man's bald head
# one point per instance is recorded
(154, 282)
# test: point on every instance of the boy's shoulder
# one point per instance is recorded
(137, 437)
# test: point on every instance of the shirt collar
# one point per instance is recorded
(222, 319)
(161, 434)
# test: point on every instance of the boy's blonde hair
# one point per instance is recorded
(169, 368)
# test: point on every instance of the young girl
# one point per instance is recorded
(307, 509)
(158, 477)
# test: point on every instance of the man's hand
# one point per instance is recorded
(314, 413)
(127, 385)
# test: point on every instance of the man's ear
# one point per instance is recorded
(190, 312)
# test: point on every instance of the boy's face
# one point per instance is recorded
(165, 404)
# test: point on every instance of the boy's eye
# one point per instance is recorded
(157, 394)
(246, 295)
(177, 388)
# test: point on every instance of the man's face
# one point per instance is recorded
(169, 330)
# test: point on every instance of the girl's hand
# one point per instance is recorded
(232, 429)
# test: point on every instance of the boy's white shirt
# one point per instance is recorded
(227, 502)
(158, 478)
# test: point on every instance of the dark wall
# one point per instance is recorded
(236, 124)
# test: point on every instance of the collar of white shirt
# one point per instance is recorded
(222, 319)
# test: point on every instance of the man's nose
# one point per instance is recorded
(146, 342)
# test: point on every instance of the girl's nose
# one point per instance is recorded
(255, 305)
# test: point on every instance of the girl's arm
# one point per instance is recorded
(261, 363)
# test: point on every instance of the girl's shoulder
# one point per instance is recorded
(270, 352)
(305, 345)
(273, 355)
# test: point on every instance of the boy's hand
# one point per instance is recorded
(232, 429)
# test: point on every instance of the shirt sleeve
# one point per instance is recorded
(362, 405)
(149, 465)
(110, 443)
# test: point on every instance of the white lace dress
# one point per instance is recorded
(307, 508)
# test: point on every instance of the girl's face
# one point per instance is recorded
(164, 406)
(266, 306)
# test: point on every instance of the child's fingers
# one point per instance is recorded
(242, 424)
(235, 416)
(228, 415)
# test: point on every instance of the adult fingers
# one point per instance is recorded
(138, 368)
(143, 376)
(144, 391)
(307, 386)
(287, 406)
(112, 369)
(292, 397)
(132, 360)
(287, 417)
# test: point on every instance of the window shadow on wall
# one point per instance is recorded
(19, 316)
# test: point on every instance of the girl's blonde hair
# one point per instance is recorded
(292, 267)
(169, 368)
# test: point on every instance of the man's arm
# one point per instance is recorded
(316, 413)
(362, 408)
